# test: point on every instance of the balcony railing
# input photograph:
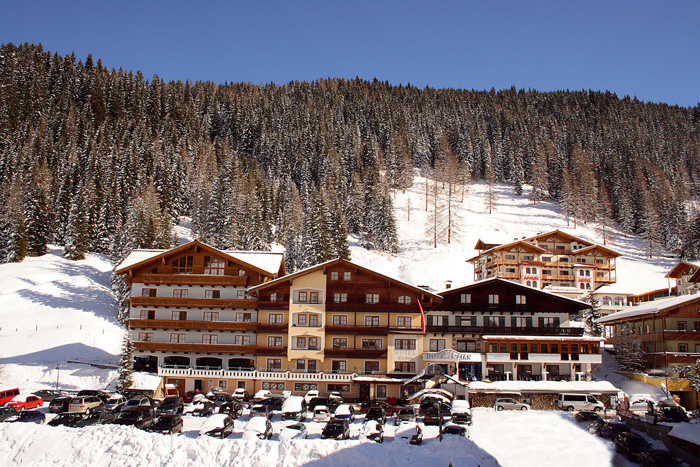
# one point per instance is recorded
(260, 350)
(355, 353)
(360, 330)
(194, 279)
(381, 307)
(191, 325)
(507, 330)
(263, 373)
(267, 327)
(175, 302)
(193, 348)
(270, 305)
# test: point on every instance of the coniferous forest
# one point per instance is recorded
(104, 160)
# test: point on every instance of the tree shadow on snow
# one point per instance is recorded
(76, 351)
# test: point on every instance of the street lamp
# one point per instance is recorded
(58, 372)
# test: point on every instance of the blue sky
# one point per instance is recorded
(650, 50)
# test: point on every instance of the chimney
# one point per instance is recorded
(448, 284)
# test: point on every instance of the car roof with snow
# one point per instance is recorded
(256, 424)
(293, 404)
(343, 409)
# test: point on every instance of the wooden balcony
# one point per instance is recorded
(172, 302)
(506, 330)
(360, 306)
(276, 305)
(270, 351)
(194, 279)
(359, 330)
(659, 336)
(194, 348)
(265, 327)
(355, 353)
(188, 325)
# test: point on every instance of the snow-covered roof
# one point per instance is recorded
(650, 308)
(687, 432)
(137, 256)
(545, 338)
(594, 387)
(612, 289)
(377, 379)
(145, 381)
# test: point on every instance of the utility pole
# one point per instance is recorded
(58, 372)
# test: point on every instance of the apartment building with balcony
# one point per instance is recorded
(555, 260)
(190, 308)
(351, 329)
(496, 329)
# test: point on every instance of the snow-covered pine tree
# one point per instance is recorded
(590, 315)
(629, 352)
(538, 176)
(36, 212)
(125, 378)
(491, 198)
(13, 230)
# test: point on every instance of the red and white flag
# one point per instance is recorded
(422, 317)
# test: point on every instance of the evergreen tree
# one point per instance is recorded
(629, 352)
(125, 378)
(12, 228)
(36, 212)
(538, 177)
(491, 197)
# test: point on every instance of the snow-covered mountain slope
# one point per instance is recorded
(419, 263)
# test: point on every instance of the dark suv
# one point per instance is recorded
(172, 405)
(336, 429)
(139, 416)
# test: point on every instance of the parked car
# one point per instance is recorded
(218, 426)
(641, 403)
(233, 409)
(28, 416)
(658, 458)
(310, 395)
(59, 404)
(274, 402)
(258, 427)
(103, 396)
(461, 412)
(670, 411)
(49, 394)
(85, 404)
(26, 402)
(571, 402)
(189, 396)
(433, 415)
(345, 412)
(200, 408)
(241, 394)
(373, 430)
(336, 429)
(376, 413)
(115, 403)
(631, 444)
(405, 414)
(293, 431)
(411, 432)
(261, 410)
(220, 399)
(321, 414)
(593, 425)
(332, 404)
(7, 412)
(6, 394)
(453, 429)
(294, 408)
(587, 416)
(167, 424)
(611, 429)
(389, 409)
(138, 401)
(172, 405)
(97, 418)
(510, 404)
(140, 416)
(261, 394)
(65, 419)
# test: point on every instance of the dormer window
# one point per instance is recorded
(182, 265)
(404, 300)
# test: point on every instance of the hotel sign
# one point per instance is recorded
(449, 355)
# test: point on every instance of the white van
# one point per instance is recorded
(573, 402)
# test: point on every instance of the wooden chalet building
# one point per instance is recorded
(554, 260)
(496, 329)
(191, 313)
(683, 273)
(339, 327)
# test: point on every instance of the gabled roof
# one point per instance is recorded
(267, 263)
(557, 233)
(605, 250)
(321, 266)
(680, 267)
(508, 246)
(651, 308)
(572, 301)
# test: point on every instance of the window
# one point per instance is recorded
(372, 298)
(313, 321)
(372, 321)
(241, 339)
(340, 343)
(274, 341)
(466, 320)
(563, 260)
(301, 342)
(305, 387)
(381, 391)
(437, 345)
(240, 294)
(303, 297)
(181, 293)
(274, 363)
(549, 322)
(465, 298)
(588, 273)
(494, 321)
(527, 270)
(177, 338)
(534, 348)
(510, 256)
(600, 274)
(696, 326)
(311, 366)
(301, 364)
(313, 343)
(147, 314)
(211, 316)
(493, 299)
(241, 272)
(223, 383)
(547, 259)
(275, 318)
(182, 265)
(543, 348)
(405, 344)
(313, 297)
(214, 266)
(338, 387)
(179, 315)
(371, 367)
(212, 294)
(584, 348)
(347, 276)
(682, 348)
(338, 366)
(146, 336)
(334, 275)
(242, 317)
(148, 292)
(301, 320)
(340, 297)
(275, 297)
(403, 322)
(210, 338)
(437, 320)
(340, 320)
(404, 300)
(521, 321)
(273, 386)
(520, 299)
(681, 326)
(599, 261)
(372, 344)
(405, 367)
